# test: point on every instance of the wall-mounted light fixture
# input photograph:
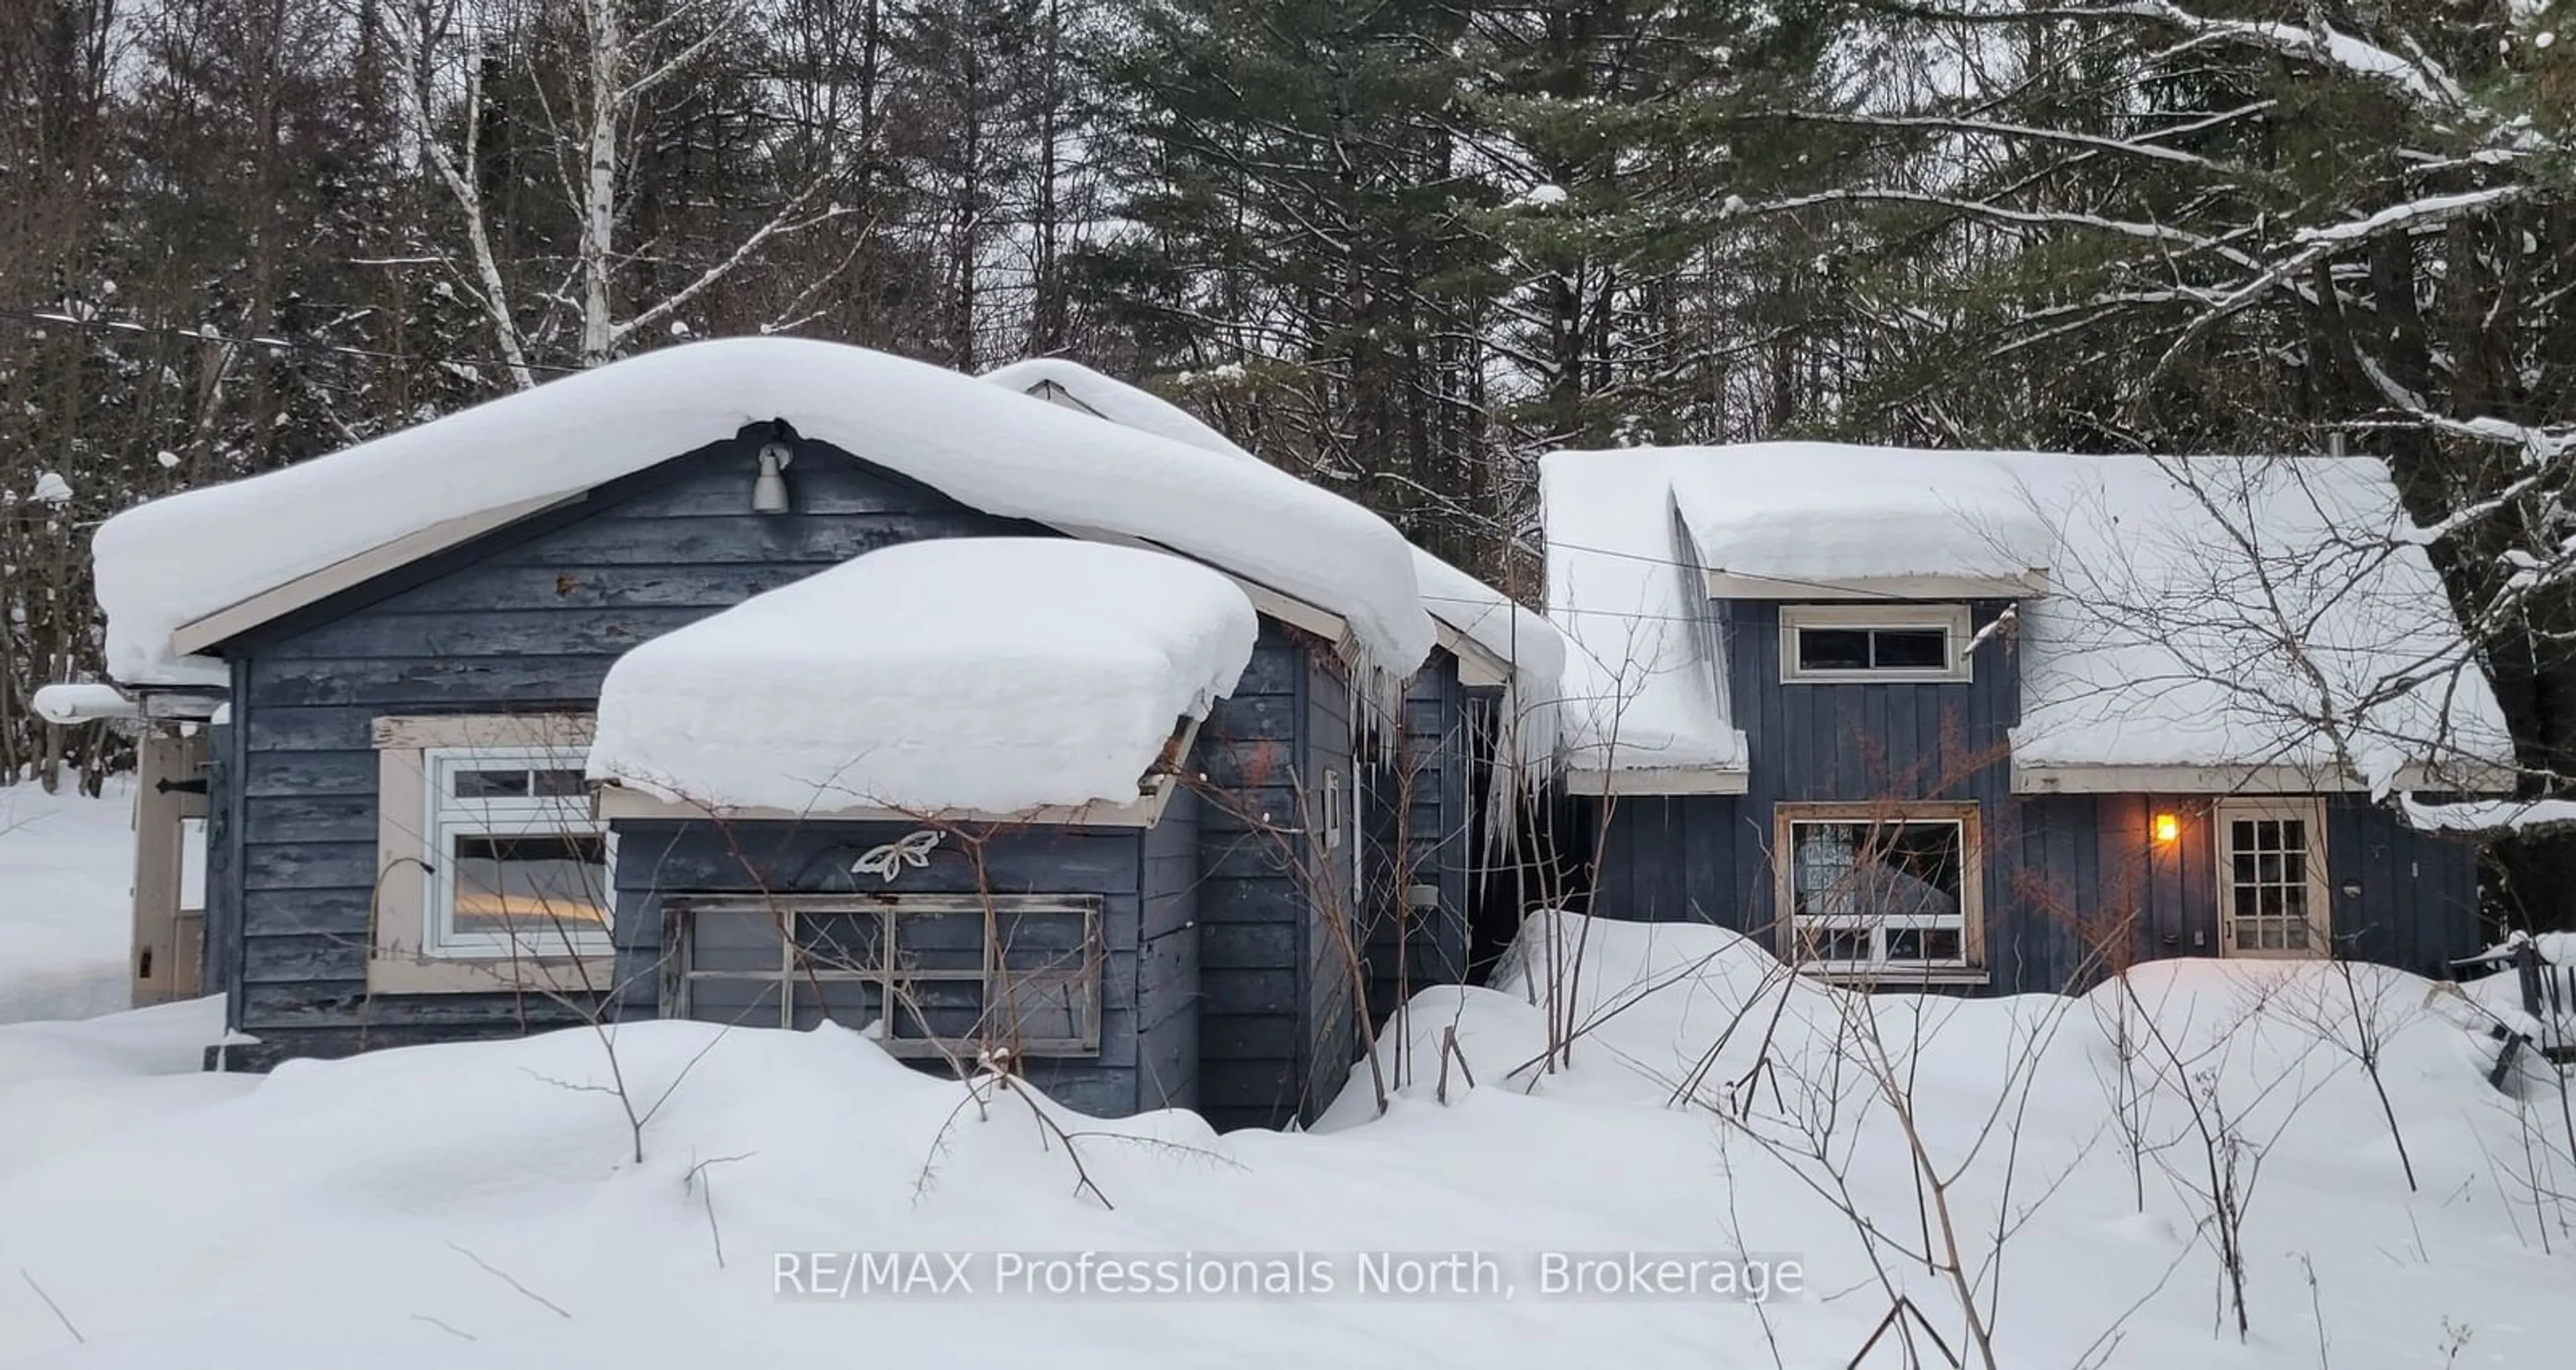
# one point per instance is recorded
(2168, 828)
(769, 488)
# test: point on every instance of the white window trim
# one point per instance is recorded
(501, 817)
(1969, 969)
(2309, 811)
(406, 954)
(1952, 619)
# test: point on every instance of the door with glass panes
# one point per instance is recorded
(2272, 878)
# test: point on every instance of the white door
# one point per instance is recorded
(2272, 878)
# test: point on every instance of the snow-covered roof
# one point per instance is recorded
(2152, 592)
(994, 675)
(170, 562)
(1526, 642)
(1645, 686)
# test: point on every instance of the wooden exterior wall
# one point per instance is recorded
(1242, 1004)
(1275, 1023)
(1148, 992)
(525, 620)
(1419, 834)
(2062, 872)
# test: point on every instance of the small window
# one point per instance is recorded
(518, 863)
(1828, 642)
(492, 866)
(1880, 893)
(946, 975)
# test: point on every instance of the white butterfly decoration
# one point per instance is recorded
(887, 861)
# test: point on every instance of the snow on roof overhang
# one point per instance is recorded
(1494, 637)
(2139, 654)
(200, 563)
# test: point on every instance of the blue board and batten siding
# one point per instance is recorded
(2056, 869)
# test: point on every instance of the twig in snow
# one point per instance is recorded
(504, 1277)
(706, 1187)
(444, 1327)
(59, 1315)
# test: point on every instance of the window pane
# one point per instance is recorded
(1833, 649)
(744, 1003)
(560, 784)
(851, 1003)
(544, 886)
(1841, 944)
(734, 939)
(1937, 945)
(489, 784)
(1847, 877)
(841, 941)
(949, 1010)
(1827, 855)
(1910, 649)
(1037, 1008)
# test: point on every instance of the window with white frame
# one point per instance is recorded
(1882, 890)
(518, 861)
(946, 974)
(1890, 642)
(492, 866)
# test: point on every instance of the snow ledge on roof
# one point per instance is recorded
(174, 560)
(993, 675)
(1529, 646)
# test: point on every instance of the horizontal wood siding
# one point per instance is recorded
(1252, 907)
(1419, 834)
(1167, 960)
(1329, 988)
(526, 619)
(657, 860)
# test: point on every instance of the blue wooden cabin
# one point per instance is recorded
(2005, 722)
(363, 678)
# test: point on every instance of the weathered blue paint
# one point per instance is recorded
(1254, 907)
(527, 619)
(659, 863)
(1225, 990)
(2071, 883)
(1329, 969)
(1419, 836)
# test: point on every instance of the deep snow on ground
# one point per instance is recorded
(65, 921)
(481, 1205)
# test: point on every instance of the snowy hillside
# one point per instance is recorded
(484, 1205)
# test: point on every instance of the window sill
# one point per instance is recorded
(1899, 977)
(393, 972)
